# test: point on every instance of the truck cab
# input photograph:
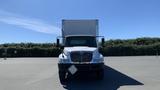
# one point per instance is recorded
(80, 49)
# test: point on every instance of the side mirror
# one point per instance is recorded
(102, 42)
(57, 43)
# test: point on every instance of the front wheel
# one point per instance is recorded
(62, 76)
(100, 74)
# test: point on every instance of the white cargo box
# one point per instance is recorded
(79, 27)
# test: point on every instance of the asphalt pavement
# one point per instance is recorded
(121, 73)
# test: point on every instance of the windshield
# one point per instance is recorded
(81, 41)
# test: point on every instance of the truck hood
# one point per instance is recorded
(71, 49)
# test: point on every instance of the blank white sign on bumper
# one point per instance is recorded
(72, 69)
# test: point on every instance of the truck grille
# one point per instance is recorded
(78, 56)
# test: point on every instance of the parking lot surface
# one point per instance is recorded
(121, 73)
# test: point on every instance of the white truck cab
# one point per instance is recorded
(80, 49)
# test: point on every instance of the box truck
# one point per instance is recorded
(80, 49)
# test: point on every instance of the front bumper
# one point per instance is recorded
(82, 67)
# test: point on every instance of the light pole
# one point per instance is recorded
(15, 52)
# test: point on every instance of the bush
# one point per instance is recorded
(131, 47)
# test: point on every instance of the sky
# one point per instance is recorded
(39, 21)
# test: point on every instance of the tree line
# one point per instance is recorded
(129, 47)
(132, 47)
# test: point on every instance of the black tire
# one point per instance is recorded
(62, 76)
(100, 74)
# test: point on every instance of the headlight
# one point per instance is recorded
(96, 54)
(66, 53)
(97, 57)
(63, 58)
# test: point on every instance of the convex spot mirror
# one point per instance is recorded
(102, 42)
